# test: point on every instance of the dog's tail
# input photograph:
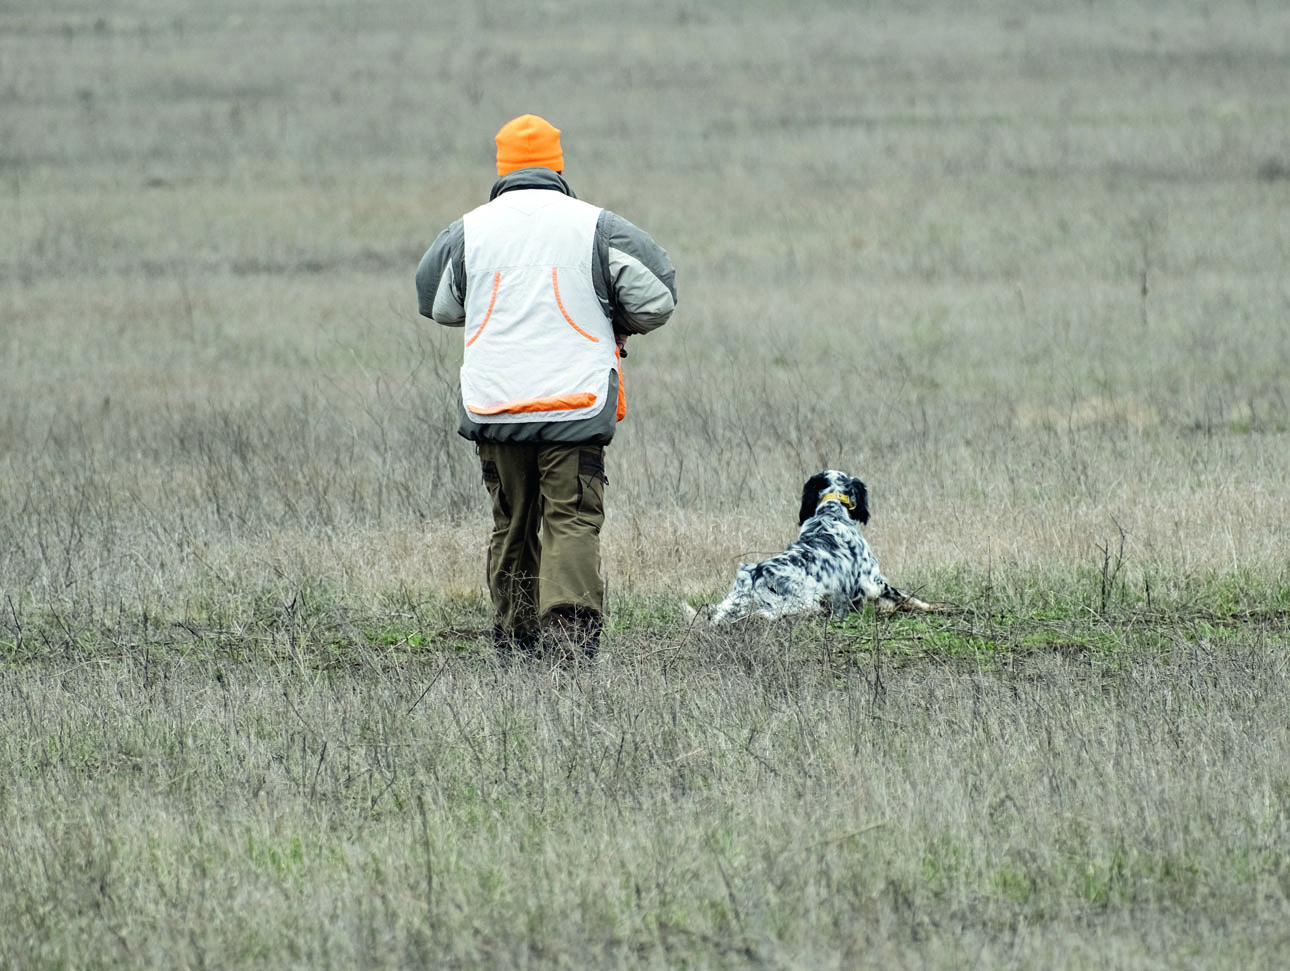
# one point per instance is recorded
(893, 599)
(688, 613)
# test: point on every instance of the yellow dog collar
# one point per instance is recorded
(845, 500)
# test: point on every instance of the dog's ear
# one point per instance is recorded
(811, 493)
(859, 496)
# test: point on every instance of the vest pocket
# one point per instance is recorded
(492, 301)
(555, 287)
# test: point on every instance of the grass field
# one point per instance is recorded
(1021, 267)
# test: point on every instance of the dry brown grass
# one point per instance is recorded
(1021, 267)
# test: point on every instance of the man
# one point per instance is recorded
(548, 288)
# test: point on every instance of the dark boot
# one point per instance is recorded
(570, 632)
(521, 645)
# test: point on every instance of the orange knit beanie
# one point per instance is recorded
(528, 141)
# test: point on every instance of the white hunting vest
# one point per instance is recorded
(538, 344)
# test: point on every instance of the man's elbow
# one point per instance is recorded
(647, 315)
(440, 317)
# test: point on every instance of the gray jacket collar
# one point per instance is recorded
(534, 178)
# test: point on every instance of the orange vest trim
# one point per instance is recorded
(497, 278)
(622, 391)
(555, 285)
(557, 402)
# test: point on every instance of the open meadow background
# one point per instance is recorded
(1020, 266)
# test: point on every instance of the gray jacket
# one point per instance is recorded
(633, 279)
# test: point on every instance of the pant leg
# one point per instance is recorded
(515, 547)
(573, 512)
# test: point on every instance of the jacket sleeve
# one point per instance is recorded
(638, 274)
(441, 278)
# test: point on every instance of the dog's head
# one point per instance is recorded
(846, 489)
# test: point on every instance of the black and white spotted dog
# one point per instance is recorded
(828, 568)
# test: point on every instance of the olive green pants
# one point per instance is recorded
(544, 552)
